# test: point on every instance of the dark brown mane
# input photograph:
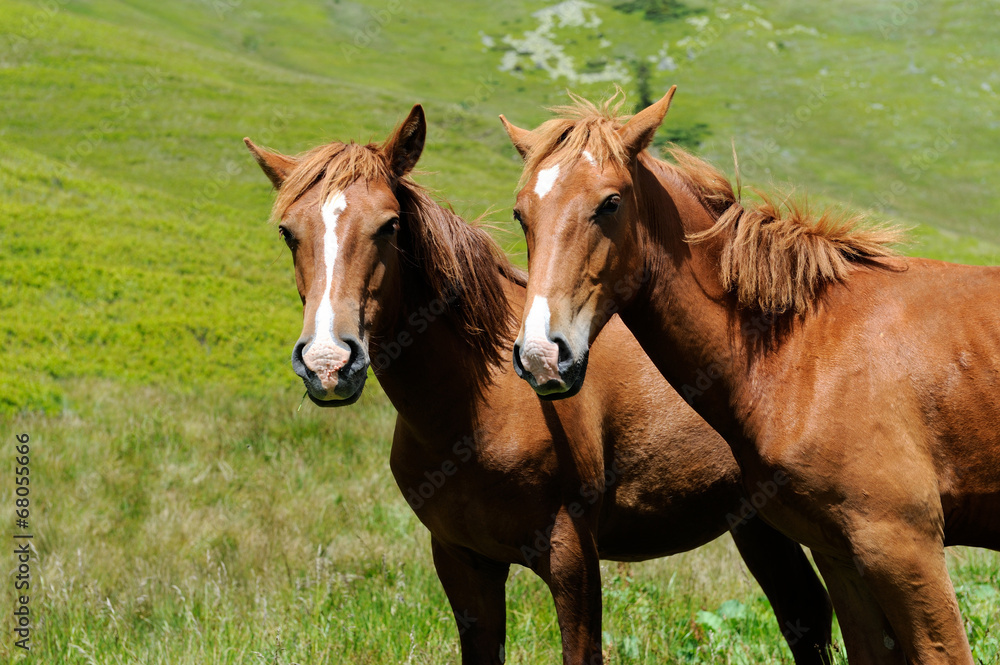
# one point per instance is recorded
(458, 264)
(775, 256)
(445, 259)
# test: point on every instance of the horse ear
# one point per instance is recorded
(639, 131)
(407, 142)
(276, 167)
(523, 139)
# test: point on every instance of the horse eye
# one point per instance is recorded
(519, 220)
(388, 229)
(610, 205)
(286, 235)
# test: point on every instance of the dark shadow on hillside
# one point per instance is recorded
(658, 11)
(689, 137)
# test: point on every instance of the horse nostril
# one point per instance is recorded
(298, 363)
(357, 360)
(518, 366)
(565, 357)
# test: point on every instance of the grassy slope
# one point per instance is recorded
(146, 306)
(133, 220)
(239, 531)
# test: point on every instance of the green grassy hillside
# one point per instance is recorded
(134, 220)
(185, 511)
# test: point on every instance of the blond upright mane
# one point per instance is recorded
(775, 256)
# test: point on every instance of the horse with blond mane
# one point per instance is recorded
(626, 471)
(862, 383)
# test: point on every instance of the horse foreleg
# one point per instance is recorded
(906, 571)
(573, 573)
(868, 637)
(475, 589)
(797, 597)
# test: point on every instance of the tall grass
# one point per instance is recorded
(207, 528)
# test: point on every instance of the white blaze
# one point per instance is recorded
(589, 157)
(537, 324)
(332, 210)
(546, 178)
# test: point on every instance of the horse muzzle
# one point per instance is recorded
(334, 374)
(549, 367)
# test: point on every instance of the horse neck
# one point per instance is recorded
(432, 374)
(427, 370)
(683, 320)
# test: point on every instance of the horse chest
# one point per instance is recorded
(476, 496)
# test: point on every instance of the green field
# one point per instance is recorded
(184, 510)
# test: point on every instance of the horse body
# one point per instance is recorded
(626, 471)
(910, 423)
(650, 475)
(856, 387)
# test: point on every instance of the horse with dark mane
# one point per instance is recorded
(864, 381)
(626, 471)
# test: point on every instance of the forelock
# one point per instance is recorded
(581, 126)
(333, 167)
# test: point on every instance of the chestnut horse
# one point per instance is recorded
(863, 383)
(627, 471)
